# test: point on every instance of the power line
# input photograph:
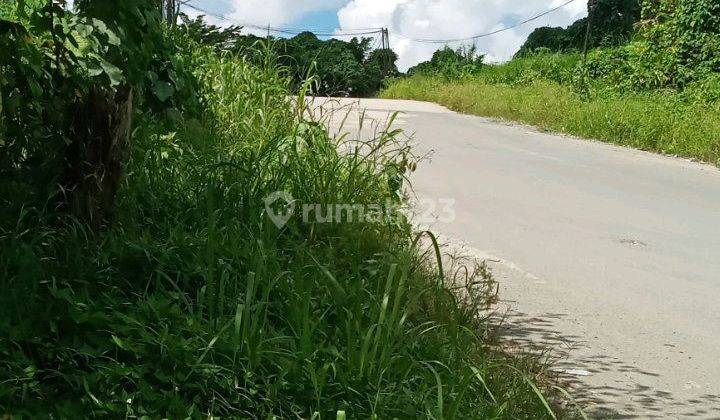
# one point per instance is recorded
(284, 31)
(475, 37)
(370, 31)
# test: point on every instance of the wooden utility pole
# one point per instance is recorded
(586, 45)
(588, 30)
(388, 56)
(385, 41)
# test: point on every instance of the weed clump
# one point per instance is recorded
(192, 304)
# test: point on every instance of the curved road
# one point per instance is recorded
(608, 254)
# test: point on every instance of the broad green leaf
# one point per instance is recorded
(83, 30)
(94, 70)
(163, 90)
(112, 38)
(114, 73)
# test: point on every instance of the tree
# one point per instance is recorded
(613, 23)
(554, 39)
(450, 63)
(170, 11)
(70, 82)
(222, 39)
(103, 118)
(340, 68)
(381, 64)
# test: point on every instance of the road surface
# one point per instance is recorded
(610, 255)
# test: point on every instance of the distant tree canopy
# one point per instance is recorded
(204, 33)
(340, 68)
(677, 45)
(451, 63)
(613, 23)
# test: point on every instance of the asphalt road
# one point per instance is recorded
(609, 255)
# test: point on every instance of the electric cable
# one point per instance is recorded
(284, 31)
(475, 37)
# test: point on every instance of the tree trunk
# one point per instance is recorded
(94, 160)
(170, 12)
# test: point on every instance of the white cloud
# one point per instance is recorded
(276, 13)
(418, 19)
(450, 19)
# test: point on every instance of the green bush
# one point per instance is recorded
(678, 45)
(58, 72)
(706, 90)
(612, 24)
(339, 68)
(542, 65)
(628, 68)
(190, 303)
(195, 305)
(684, 38)
(451, 63)
(661, 121)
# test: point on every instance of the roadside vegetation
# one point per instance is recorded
(340, 68)
(613, 24)
(142, 278)
(660, 91)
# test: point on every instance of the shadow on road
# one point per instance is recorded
(628, 398)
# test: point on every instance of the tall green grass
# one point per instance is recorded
(542, 91)
(553, 67)
(194, 305)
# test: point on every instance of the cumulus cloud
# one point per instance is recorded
(276, 13)
(451, 19)
(417, 19)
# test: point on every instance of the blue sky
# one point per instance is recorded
(406, 20)
(325, 20)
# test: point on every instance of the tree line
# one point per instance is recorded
(337, 67)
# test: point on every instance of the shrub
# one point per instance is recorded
(192, 304)
(542, 65)
(706, 90)
(684, 38)
(69, 86)
(451, 64)
(628, 68)
(612, 21)
(339, 68)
